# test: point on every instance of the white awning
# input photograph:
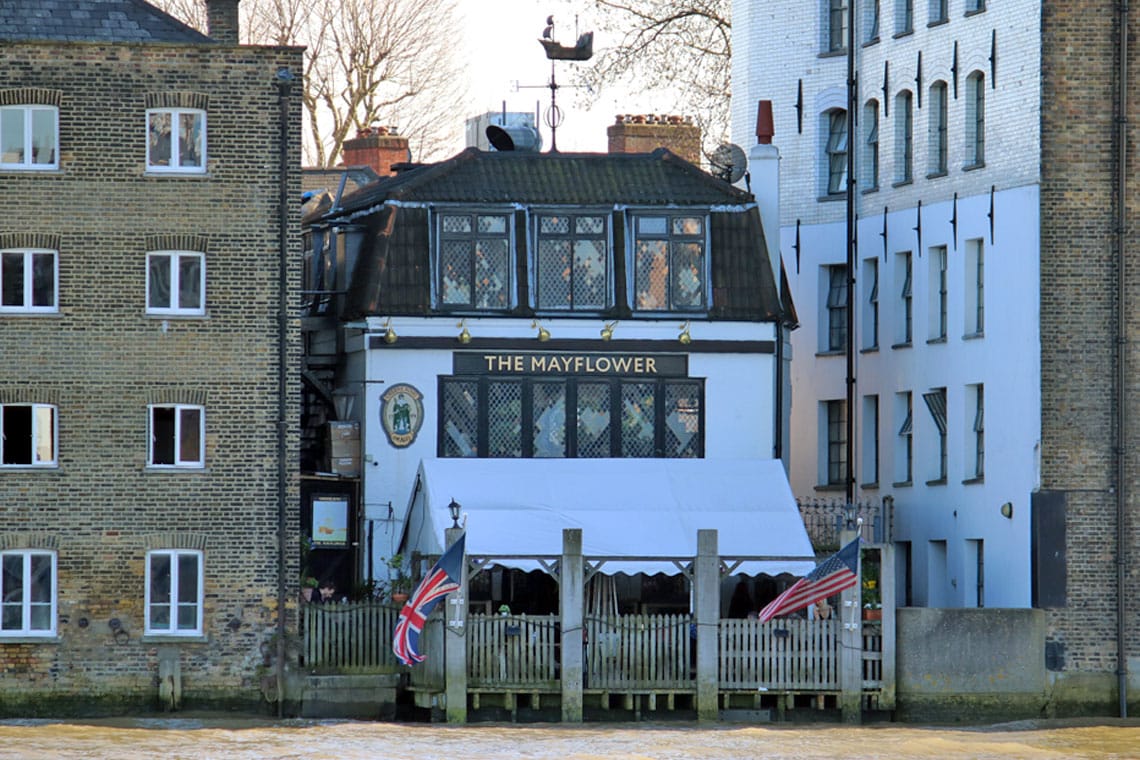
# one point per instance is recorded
(639, 510)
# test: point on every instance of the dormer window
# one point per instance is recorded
(474, 261)
(572, 262)
(670, 268)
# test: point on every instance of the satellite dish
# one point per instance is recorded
(519, 137)
(729, 162)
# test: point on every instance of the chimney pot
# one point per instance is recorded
(765, 128)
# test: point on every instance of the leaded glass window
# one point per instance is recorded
(593, 420)
(474, 261)
(670, 266)
(573, 262)
(460, 434)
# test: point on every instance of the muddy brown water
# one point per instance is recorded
(126, 739)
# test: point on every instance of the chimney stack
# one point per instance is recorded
(764, 165)
(645, 133)
(377, 147)
(222, 21)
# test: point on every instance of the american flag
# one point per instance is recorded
(834, 574)
(441, 580)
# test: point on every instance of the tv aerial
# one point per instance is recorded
(729, 162)
(582, 50)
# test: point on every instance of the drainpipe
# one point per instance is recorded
(851, 105)
(1122, 346)
(284, 84)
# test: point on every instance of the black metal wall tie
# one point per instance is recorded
(991, 214)
(954, 221)
(993, 60)
(886, 89)
(918, 226)
(954, 69)
(800, 108)
(918, 79)
(796, 247)
(884, 233)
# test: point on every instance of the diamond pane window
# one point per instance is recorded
(549, 419)
(670, 263)
(504, 419)
(461, 419)
(682, 419)
(593, 419)
(637, 418)
(474, 261)
(573, 262)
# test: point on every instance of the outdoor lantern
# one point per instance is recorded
(390, 333)
(684, 337)
(608, 330)
(465, 336)
(454, 508)
(543, 333)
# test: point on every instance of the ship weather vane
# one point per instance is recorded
(582, 50)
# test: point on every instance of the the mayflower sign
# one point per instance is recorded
(534, 363)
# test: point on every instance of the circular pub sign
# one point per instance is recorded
(401, 414)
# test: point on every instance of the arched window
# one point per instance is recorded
(904, 137)
(835, 151)
(939, 146)
(871, 145)
(975, 119)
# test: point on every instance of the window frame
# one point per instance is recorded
(975, 132)
(904, 137)
(175, 165)
(481, 387)
(939, 293)
(178, 443)
(175, 603)
(874, 21)
(939, 11)
(871, 145)
(905, 438)
(838, 293)
(28, 147)
(29, 284)
(871, 461)
(838, 468)
(835, 149)
(939, 129)
(673, 241)
(904, 17)
(936, 404)
(537, 215)
(975, 291)
(27, 602)
(174, 265)
(904, 271)
(36, 436)
(838, 17)
(871, 304)
(475, 238)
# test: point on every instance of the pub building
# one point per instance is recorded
(534, 309)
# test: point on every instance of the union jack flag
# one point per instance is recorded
(834, 574)
(441, 580)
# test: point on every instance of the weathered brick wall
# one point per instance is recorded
(1078, 320)
(105, 360)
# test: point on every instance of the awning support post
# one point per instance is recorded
(571, 601)
(706, 587)
(455, 641)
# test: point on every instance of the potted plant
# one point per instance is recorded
(308, 586)
(871, 596)
(399, 582)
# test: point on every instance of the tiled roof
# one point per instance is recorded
(606, 179)
(92, 21)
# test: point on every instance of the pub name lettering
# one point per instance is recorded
(603, 365)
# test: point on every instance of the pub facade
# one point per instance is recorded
(521, 306)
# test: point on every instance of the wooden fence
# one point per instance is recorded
(349, 638)
(639, 652)
(785, 654)
(513, 652)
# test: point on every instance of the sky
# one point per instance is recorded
(507, 63)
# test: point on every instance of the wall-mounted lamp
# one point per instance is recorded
(684, 337)
(543, 333)
(454, 509)
(464, 336)
(1007, 510)
(608, 330)
(389, 333)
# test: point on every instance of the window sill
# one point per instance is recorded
(30, 170)
(29, 467)
(832, 197)
(869, 350)
(29, 639)
(903, 33)
(831, 487)
(830, 353)
(936, 482)
(937, 22)
(903, 182)
(974, 481)
(902, 484)
(974, 336)
(842, 52)
(22, 313)
(167, 468)
(870, 190)
(974, 166)
(936, 341)
(974, 12)
(166, 638)
(937, 174)
(871, 42)
(907, 344)
(184, 316)
(870, 486)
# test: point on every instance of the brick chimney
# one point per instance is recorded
(377, 147)
(222, 21)
(645, 133)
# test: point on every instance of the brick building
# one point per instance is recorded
(994, 386)
(148, 455)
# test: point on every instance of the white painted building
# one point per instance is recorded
(946, 308)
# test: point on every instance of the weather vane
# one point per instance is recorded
(583, 50)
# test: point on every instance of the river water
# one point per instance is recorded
(126, 739)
